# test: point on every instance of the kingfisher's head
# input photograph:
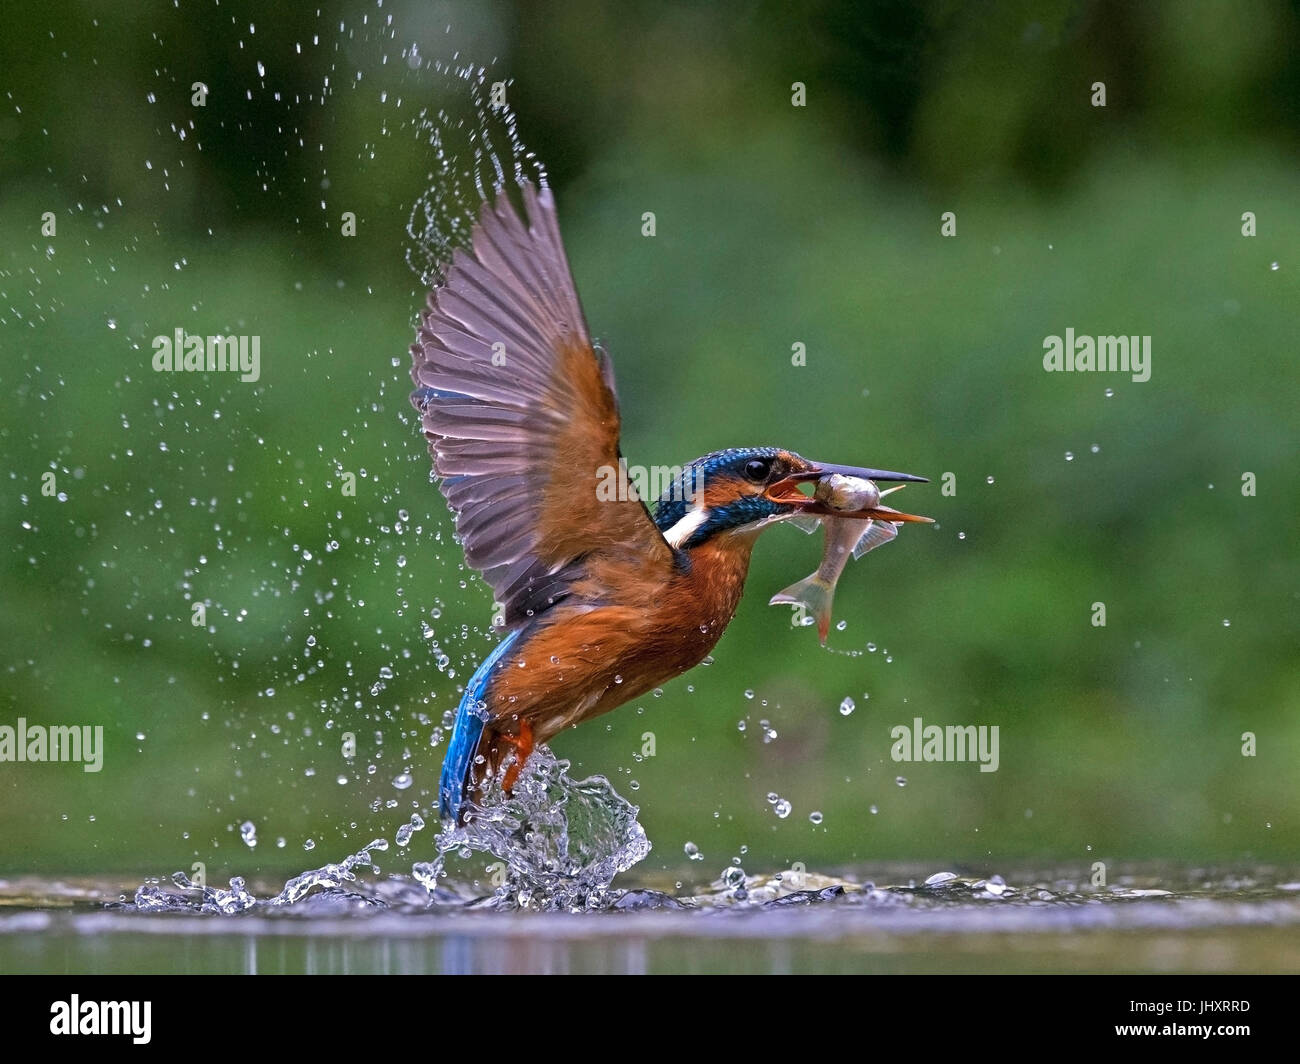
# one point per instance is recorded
(739, 492)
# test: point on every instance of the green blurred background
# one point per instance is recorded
(775, 225)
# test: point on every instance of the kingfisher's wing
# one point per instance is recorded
(521, 415)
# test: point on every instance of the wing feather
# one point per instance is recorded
(521, 414)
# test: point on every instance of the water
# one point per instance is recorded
(472, 153)
(883, 918)
(557, 844)
(547, 901)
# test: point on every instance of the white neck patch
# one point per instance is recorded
(686, 526)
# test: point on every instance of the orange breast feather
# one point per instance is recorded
(583, 662)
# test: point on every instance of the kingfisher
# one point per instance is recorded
(601, 598)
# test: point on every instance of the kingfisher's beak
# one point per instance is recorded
(787, 491)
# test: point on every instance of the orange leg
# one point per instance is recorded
(523, 744)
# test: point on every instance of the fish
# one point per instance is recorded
(846, 537)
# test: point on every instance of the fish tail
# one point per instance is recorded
(814, 593)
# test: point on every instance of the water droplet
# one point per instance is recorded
(693, 852)
(1273, 266)
(874, 810)
(1095, 448)
(988, 480)
(940, 877)
(402, 781)
(749, 693)
(1110, 393)
(782, 808)
(815, 816)
(310, 844)
(1227, 623)
(248, 832)
(901, 780)
(1069, 456)
(847, 706)
(961, 535)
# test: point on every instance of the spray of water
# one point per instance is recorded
(474, 153)
(560, 841)
(558, 844)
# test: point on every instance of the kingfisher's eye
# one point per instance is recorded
(757, 469)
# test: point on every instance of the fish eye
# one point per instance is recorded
(757, 469)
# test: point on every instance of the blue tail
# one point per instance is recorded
(470, 721)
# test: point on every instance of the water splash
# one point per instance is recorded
(559, 843)
(473, 155)
(198, 897)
